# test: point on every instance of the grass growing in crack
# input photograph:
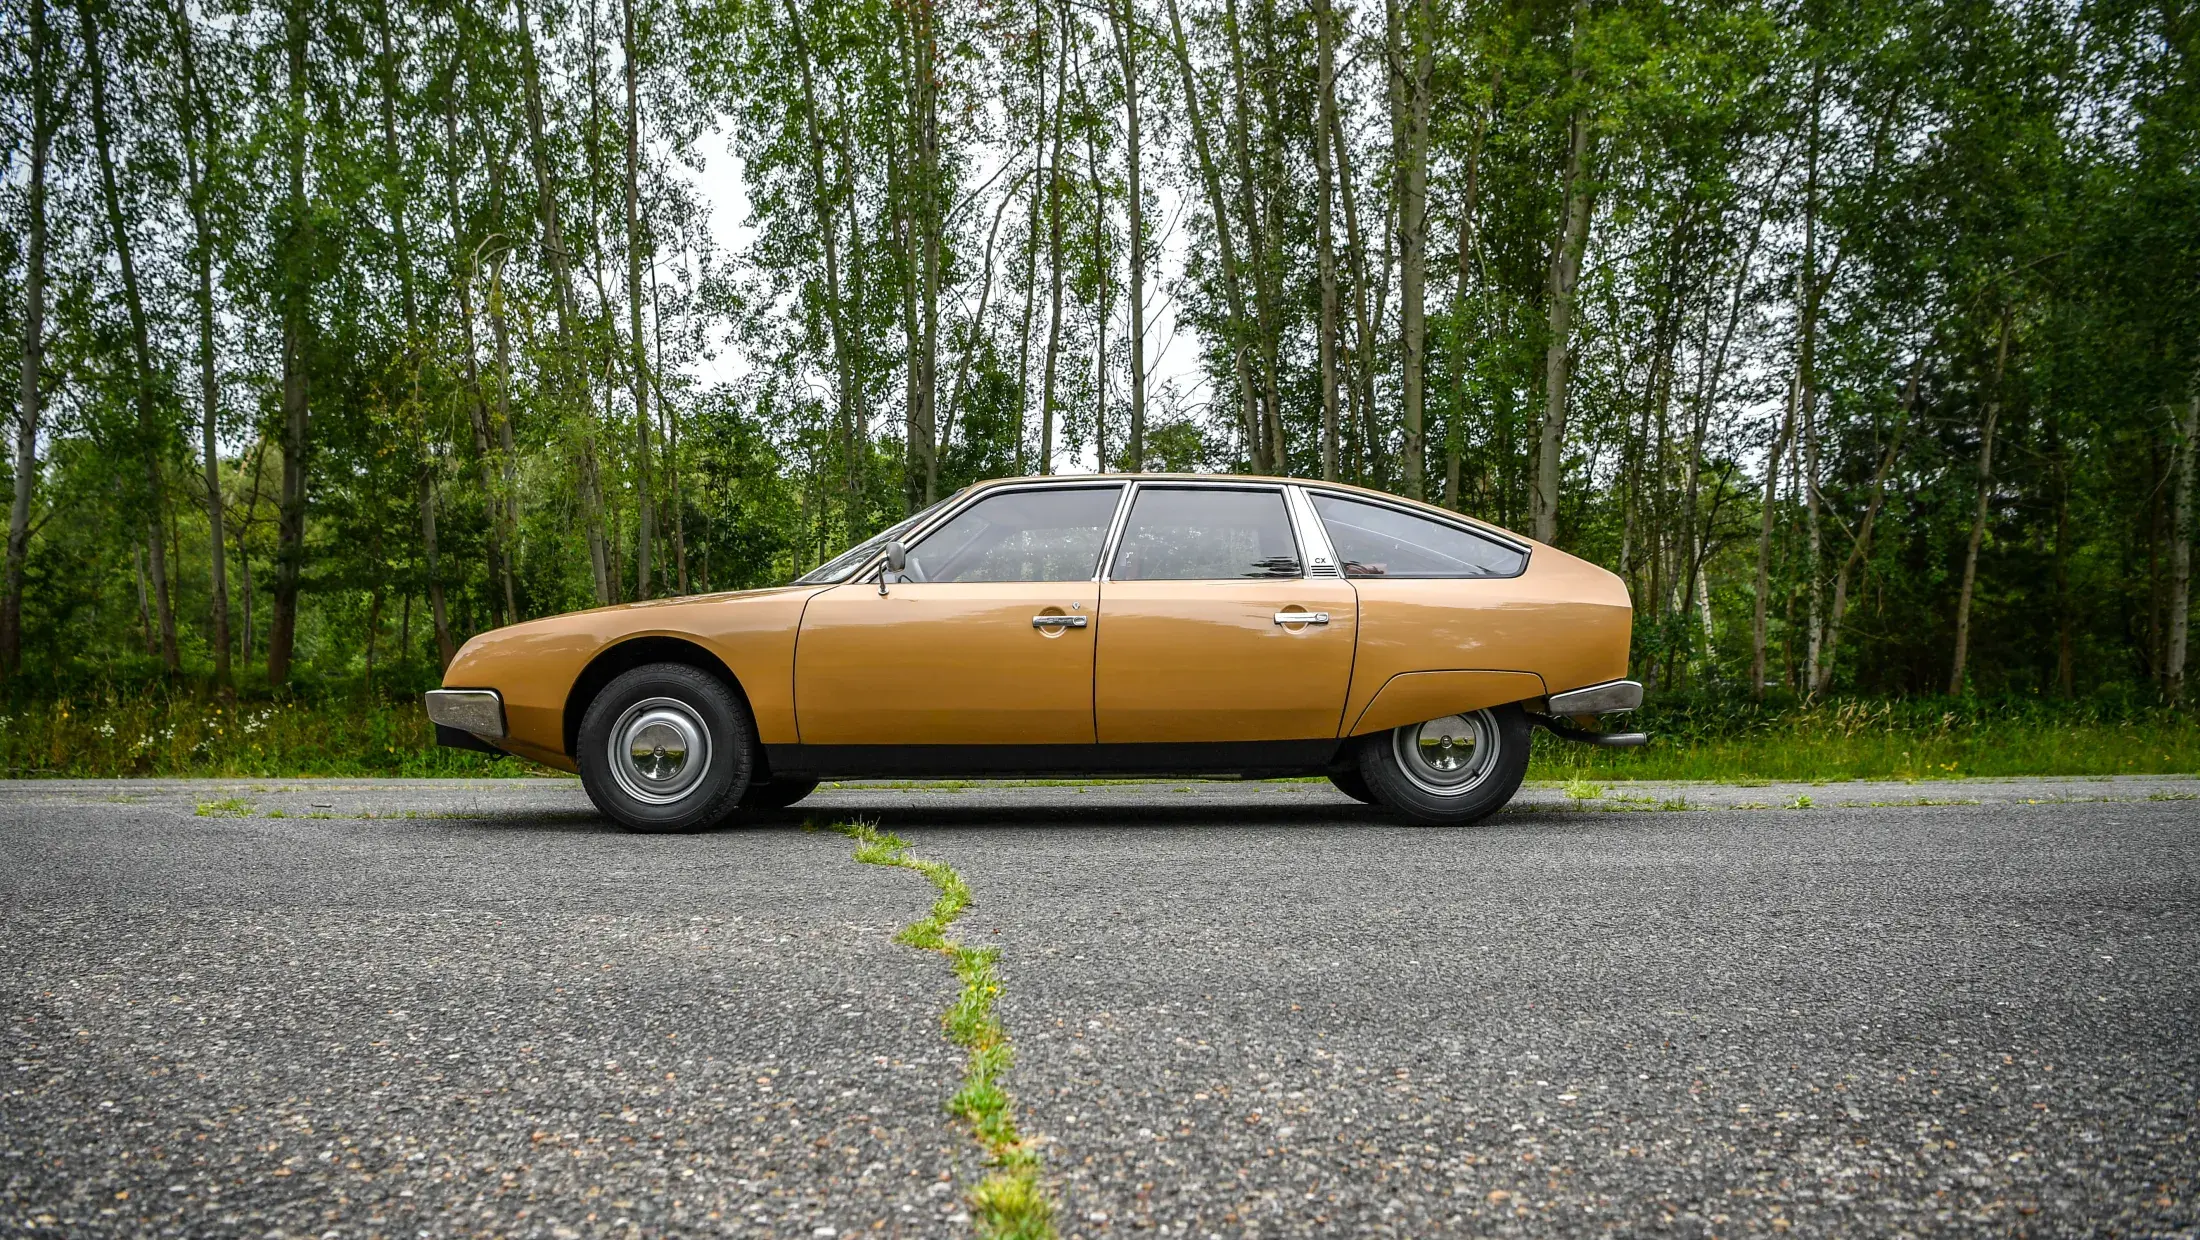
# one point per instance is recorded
(227, 807)
(1010, 1203)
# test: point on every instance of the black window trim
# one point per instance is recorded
(1437, 516)
(979, 494)
(1220, 483)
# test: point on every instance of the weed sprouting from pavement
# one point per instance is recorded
(1010, 1203)
(1583, 790)
(227, 807)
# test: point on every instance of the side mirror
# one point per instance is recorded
(897, 561)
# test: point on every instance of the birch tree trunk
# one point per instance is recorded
(1413, 46)
(151, 440)
(1218, 212)
(198, 169)
(1564, 276)
(1126, 30)
(29, 394)
(645, 517)
(824, 202)
(2180, 549)
(1990, 415)
(572, 379)
(1325, 246)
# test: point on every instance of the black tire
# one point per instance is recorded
(777, 794)
(683, 709)
(1479, 785)
(1350, 783)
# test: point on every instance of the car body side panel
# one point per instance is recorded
(1416, 697)
(1564, 619)
(534, 664)
(1201, 661)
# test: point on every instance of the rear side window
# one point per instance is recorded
(1206, 534)
(1376, 541)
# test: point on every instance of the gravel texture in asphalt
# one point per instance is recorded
(1239, 1009)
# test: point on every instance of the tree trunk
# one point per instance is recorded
(1054, 251)
(1411, 72)
(198, 171)
(823, 200)
(1031, 238)
(1210, 175)
(1469, 206)
(500, 331)
(1126, 46)
(1256, 247)
(1100, 266)
(2180, 549)
(1564, 276)
(29, 393)
(1363, 338)
(477, 401)
(151, 441)
(645, 517)
(1325, 246)
(1990, 416)
(297, 245)
(572, 381)
(394, 186)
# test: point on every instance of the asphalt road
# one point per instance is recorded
(1239, 1010)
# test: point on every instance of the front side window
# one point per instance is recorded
(1377, 541)
(1042, 535)
(1206, 534)
(843, 566)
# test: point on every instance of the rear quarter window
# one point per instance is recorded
(1375, 541)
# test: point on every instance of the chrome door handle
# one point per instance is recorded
(1059, 622)
(1302, 617)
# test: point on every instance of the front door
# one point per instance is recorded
(1214, 632)
(988, 642)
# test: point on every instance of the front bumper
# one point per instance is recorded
(478, 712)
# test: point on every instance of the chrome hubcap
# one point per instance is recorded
(659, 750)
(1450, 756)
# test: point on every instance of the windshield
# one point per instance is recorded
(843, 566)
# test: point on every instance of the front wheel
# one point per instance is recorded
(1452, 771)
(666, 747)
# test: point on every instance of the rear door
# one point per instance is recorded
(1215, 631)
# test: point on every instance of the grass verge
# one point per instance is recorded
(1010, 1203)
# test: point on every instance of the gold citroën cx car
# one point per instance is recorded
(1079, 626)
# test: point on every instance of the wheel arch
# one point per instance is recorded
(615, 660)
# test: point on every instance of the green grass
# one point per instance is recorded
(120, 735)
(1010, 1203)
(1741, 742)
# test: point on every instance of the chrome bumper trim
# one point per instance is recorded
(1612, 695)
(479, 711)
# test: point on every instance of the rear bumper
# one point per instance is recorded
(1612, 695)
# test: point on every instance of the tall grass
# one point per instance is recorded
(111, 735)
(1919, 738)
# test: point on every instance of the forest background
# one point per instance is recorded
(1861, 339)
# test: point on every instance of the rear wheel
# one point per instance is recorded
(777, 794)
(666, 747)
(1452, 771)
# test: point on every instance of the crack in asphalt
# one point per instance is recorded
(1010, 1203)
